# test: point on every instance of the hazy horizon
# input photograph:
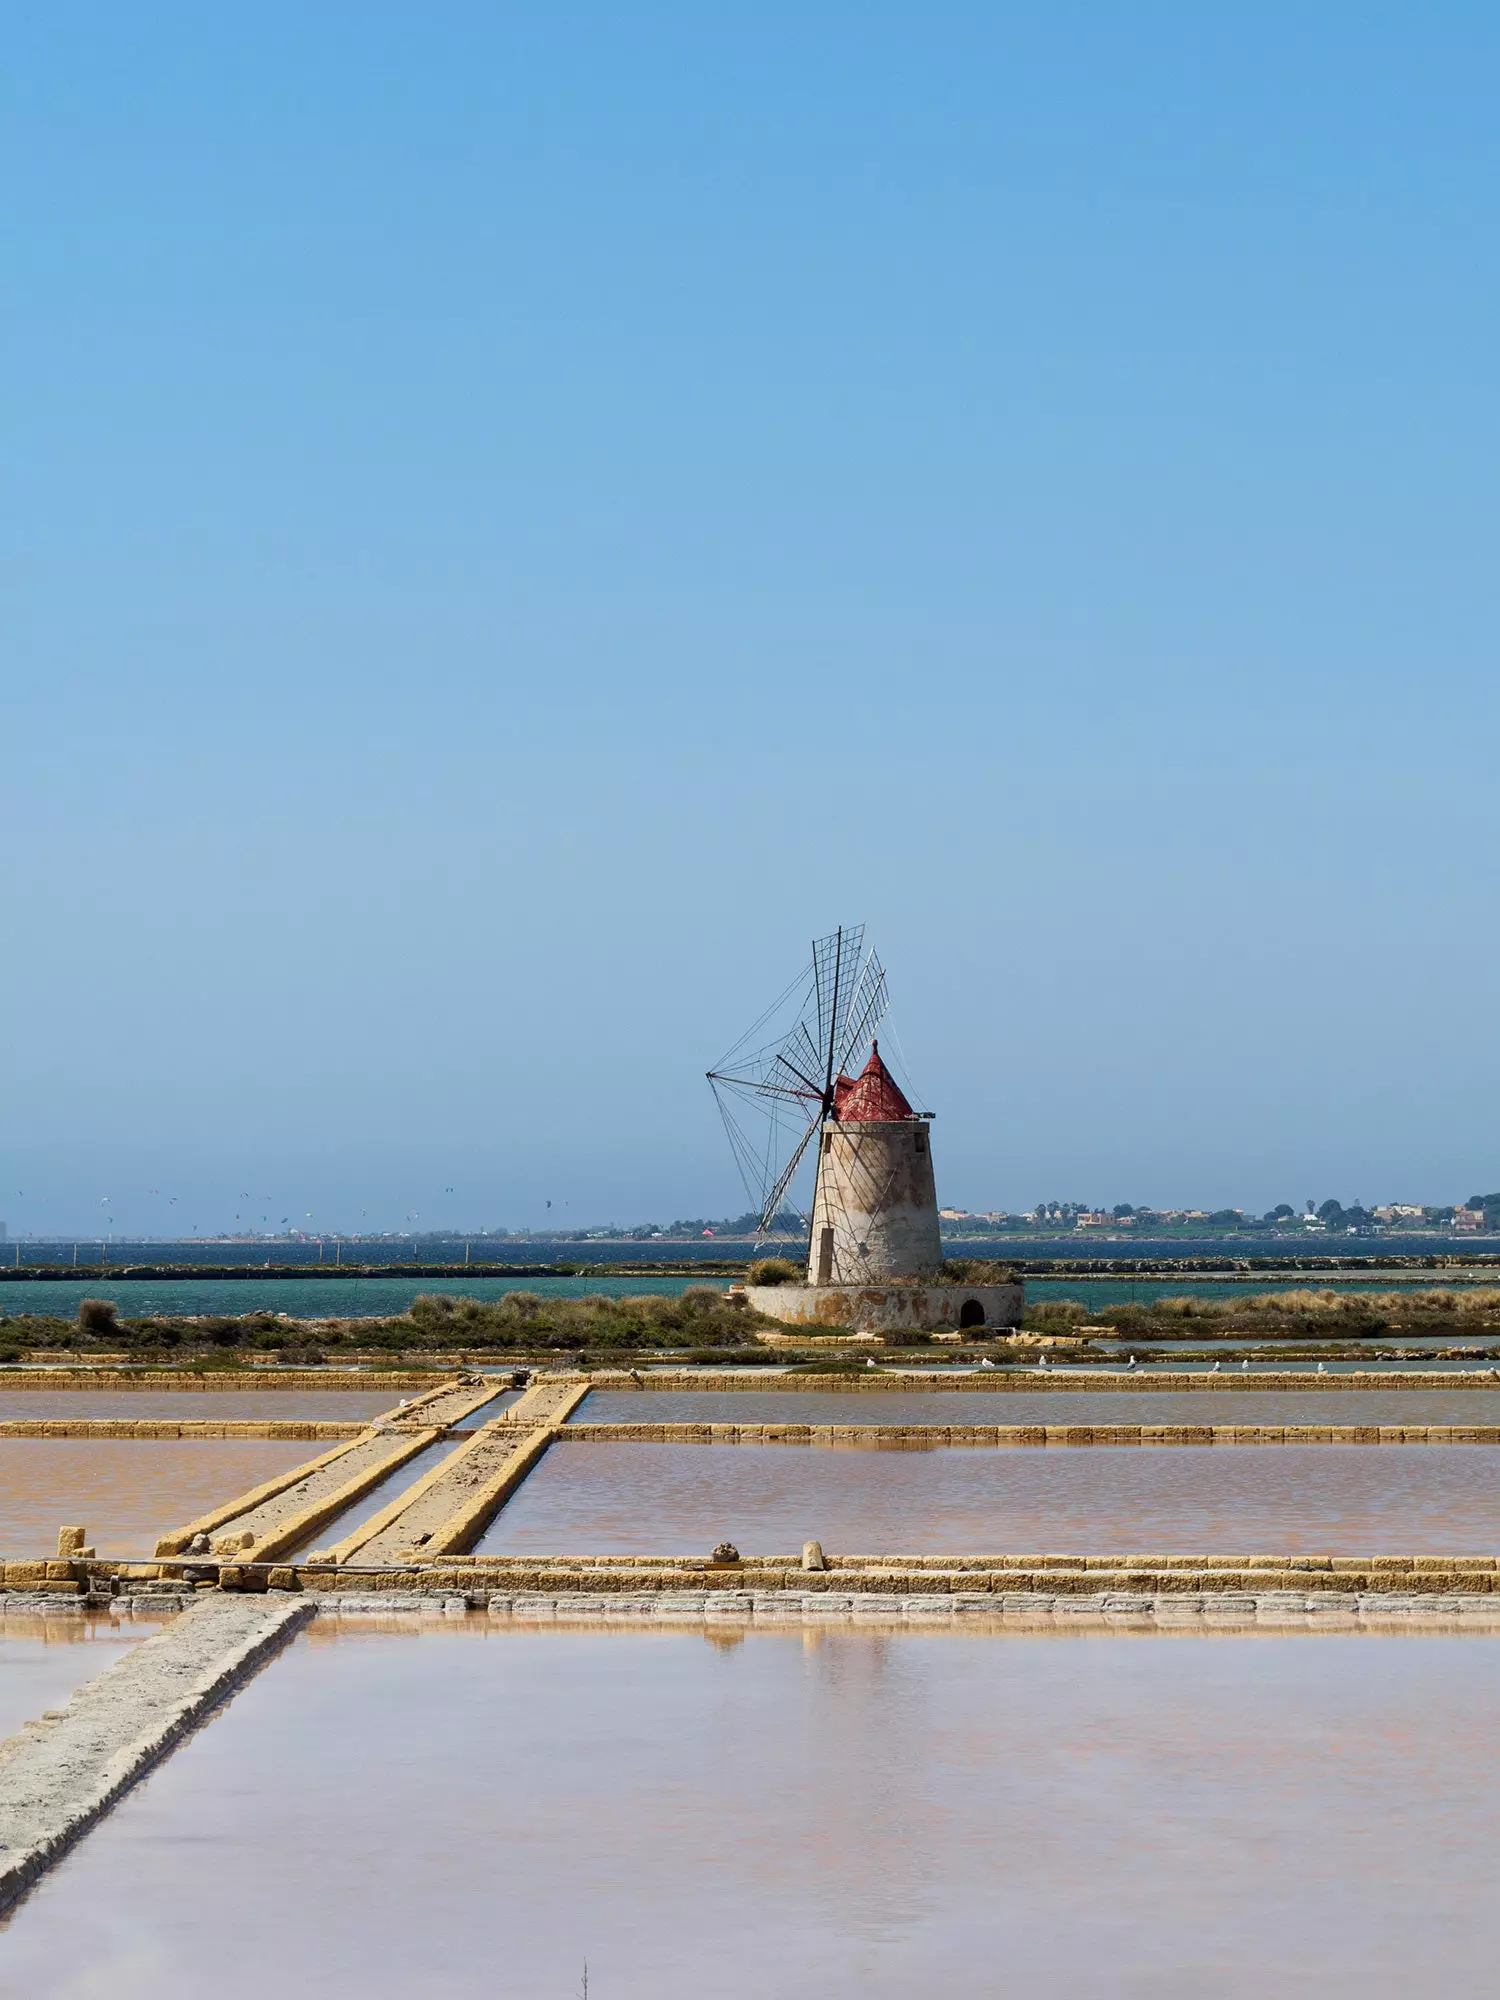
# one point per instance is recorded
(518, 522)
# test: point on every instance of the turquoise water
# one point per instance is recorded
(303, 1298)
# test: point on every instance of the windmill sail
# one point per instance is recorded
(773, 1094)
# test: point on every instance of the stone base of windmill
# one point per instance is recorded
(874, 1310)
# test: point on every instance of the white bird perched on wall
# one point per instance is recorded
(1321, 1369)
(1131, 1362)
(1215, 1368)
(1244, 1367)
(985, 1361)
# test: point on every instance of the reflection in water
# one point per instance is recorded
(230, 1405)
(666, 1499)
(126, 1492)
(1064, 1406)
(43, 1658)
(829, 1813)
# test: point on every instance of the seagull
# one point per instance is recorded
(1244, 1367)
(985, 1361)
(1321, 1369)
(869, 1364)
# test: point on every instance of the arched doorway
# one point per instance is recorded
(971, 1313)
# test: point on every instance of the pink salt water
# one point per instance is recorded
(670, 1499)
(45, 1656)
(817, 1815)
(126, 1491)
(1022, 1406)
(229, 1405)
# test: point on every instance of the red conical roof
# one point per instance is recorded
(873, 1094)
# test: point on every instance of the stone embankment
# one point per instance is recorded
(448, 1404)
(1027, 1381)
(61, 1773)
(928, 1437)
(477, 1578)
(311, 1428)
(280, 1515)
(448, 1510)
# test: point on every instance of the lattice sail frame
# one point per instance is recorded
(773, 1096)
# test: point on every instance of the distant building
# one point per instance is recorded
(1468, 1218)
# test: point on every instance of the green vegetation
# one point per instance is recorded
(523, 1322)
(976, 1271)
(701, 1321)
(774, 1271)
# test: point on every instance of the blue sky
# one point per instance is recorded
(514, 520)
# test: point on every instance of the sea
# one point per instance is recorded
(368, 1293)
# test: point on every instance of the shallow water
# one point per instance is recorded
(126, 1492)
(818, 1815)
(1067, 1406)
(45, 1656)
(681, 1499)
(233, 1405)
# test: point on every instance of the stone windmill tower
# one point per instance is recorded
(874, 1251)
(874, 1214)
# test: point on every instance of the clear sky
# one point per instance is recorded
(517, 518)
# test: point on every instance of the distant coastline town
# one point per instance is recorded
(1049, 1221)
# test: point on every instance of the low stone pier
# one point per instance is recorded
(63, 1772)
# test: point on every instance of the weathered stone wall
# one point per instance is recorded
(877, 1309)
(875, 1205)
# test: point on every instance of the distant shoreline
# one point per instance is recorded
(1409, 1268)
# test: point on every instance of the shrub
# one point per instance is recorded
(1056, 1312)
(97, 1319)
(773, 1271)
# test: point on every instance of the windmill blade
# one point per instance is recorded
(866, 1013)
(798, 1063)
(836, 966)
(784, 1178)
(762, 1157)
(734, 1058)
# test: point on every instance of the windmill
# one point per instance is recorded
(774, 1094)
